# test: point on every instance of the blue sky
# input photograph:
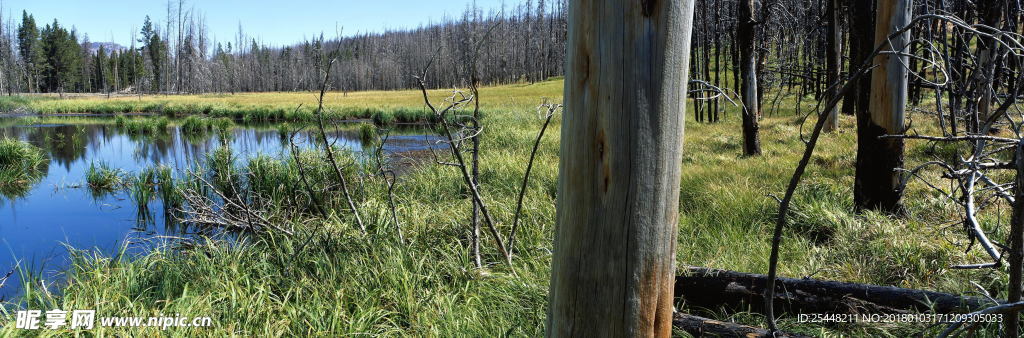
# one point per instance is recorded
(273, 22)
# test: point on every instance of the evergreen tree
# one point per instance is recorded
(152, 43)
(100, 70)
(30, 49)
(61, 56)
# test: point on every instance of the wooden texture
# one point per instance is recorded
(889, 78)
(877, 184)
(621, 150)
(712, 288)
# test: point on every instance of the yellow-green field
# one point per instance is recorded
(386, 107)
(348, 283)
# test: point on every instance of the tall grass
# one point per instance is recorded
(101, 178)
(142, 126)
(329, 280)
(195, 125)
(170, 195)
(21, 166)
(367, 133)
(142, 190)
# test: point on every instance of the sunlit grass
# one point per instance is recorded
(102, 178)
(21, 166)
(330, 280)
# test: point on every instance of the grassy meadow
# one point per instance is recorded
(384, 107)
(329, 279)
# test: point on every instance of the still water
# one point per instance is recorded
(38, 227)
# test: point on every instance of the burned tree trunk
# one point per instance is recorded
(748, 77)
(613, 267)
(990, 13)
(1016, 261)
(861, 43)
(877, 184)
(713, 288)
(833, 61)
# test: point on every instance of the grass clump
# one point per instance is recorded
(101, 178)
(368, 133)
(223, 125)
(21, 166)
(168, 189)
(142, 126)
(141, 189)
(195, 125)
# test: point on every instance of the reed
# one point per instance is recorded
(368, 133)
(101, 178)
(21, 166)
(141, 189)
(167, 186)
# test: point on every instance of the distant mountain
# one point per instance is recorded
(107, 46)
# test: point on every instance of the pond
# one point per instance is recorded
(38, 226)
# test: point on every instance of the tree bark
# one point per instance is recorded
(877, 184)
(613, 266)
(990, 13)
(1011, 326)
(833, 62)
(861, 42)
(748, 77)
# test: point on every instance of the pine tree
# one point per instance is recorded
(30, 48)
(154, 46)
(61, 58)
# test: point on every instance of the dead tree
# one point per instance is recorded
(833, 57)
(745, 34)
(877, 183)
(618, 201)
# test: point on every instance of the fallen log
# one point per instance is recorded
(713, 288)
(705, 327)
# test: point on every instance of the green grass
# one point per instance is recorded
(384, 107)
(142, 125)
(141, 189)
(330, 280)
(367, 133)
(21, 166)
(101, 178)
(170, 195)
(197, 125)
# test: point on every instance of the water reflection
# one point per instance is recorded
(58, 209)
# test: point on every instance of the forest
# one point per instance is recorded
(707, 168)
(178, 56)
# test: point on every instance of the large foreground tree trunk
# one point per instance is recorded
(877, 184)
(745, 35)
(613, 267)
